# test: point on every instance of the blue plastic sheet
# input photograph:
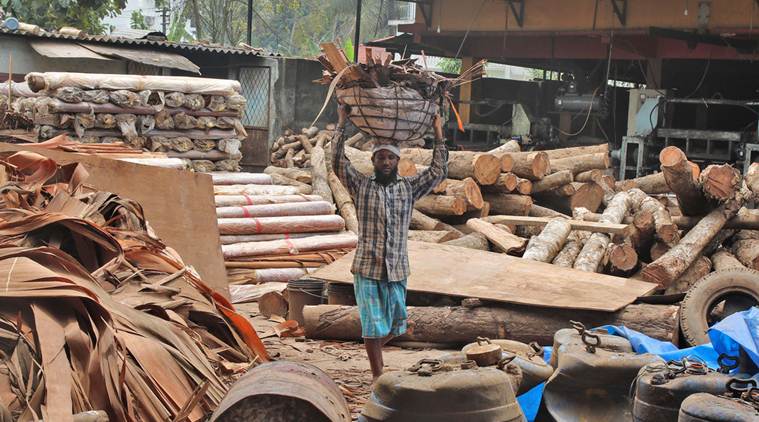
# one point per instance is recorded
(736, 332)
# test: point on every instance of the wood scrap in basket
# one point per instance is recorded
(393, 100)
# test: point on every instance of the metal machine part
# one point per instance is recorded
(570, 100)
(435, 391)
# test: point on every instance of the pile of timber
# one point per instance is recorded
(274, 232)
(193, 119)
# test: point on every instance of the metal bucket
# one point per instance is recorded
(341, 294)
(303, 292)
(283, 392)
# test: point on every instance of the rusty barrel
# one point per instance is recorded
(283, 391)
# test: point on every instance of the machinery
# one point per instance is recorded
(652, 126)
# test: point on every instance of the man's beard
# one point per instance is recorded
(383, 179)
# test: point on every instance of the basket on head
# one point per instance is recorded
(394, 112)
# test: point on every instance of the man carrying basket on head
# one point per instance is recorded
(384, 203)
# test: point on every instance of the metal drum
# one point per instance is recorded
(661, 388)
(740, 404)
(341, 294)
(529, 358)
(283, 392)
(303, 292)
(434, 391)
(592, 382)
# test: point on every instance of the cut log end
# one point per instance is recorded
(406, 168)
(623, 257)
(720, 181)
(671, 156)
(507, 163)
(487, 168)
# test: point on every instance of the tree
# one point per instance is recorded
(449, 65)
(137, 20)
(86, 15)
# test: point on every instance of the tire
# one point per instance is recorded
(705, 293)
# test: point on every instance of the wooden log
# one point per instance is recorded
(538, 211)
(552, 181)
(532, 166)
(300, 175)
(506, 183)
(254, 190)
(560, 153)
(319, 174)
(57, 106)
(544, 247)
(698, 270)
(344, 202)
(623, 259)
(431, 236)
(473, 240)
(290, 224)
(261, 199)
(502, 239)
(303, 189)
(242, 238)
(466, 189)
(231, 178)
(679, 174)
(507, 204)
(524, 186)
(568, 254)
(720, 182)
(507, 162)
(483, 167)
(407, 168)
(459, 325)
(723, 260)
(594, 250)
(651, 184)
(752, 179)
(581, 163)
(588, 195)
(665, 229)
(420, 221)
(593, 175)
(353, 140)
(669, 267)
(747, 252)
(658, 249)
(745, 220)
(276, 210)
(213, 155)
(290, 246)
(641, 235)
(509, 146)
(589, 226)
(441, 205)
(567, 190)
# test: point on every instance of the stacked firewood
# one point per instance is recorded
(274, 232)
(195, 119)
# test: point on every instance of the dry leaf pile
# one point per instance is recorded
(98, 314)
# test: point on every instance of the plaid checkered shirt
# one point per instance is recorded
(384, 212)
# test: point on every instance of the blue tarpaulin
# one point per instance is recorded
(737, 331)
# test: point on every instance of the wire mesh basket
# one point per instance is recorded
(394, 113)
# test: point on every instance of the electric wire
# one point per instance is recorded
(469, 28)
(587, 118)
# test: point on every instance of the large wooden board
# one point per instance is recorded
(465, 272)
(178, 204)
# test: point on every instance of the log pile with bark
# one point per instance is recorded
(194, 119)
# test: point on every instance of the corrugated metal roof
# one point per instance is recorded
(169, 45)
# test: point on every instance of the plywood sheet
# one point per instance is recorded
(465, 272)
(178, 205)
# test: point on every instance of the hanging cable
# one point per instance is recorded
(587, 118)
(469, 28)
(703, 78)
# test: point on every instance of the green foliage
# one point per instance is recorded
(449, 65)
(86, 15)
(137, 20)
(349, 50)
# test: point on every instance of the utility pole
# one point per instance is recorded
(250, 22)
(357, 37)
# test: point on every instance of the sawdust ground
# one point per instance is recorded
(344, 362)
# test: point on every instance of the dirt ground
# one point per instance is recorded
(344, 362)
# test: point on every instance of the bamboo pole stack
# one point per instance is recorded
(194, 119)
(271, 231)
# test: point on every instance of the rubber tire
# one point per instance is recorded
(693, 322)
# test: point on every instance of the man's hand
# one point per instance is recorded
(343, 112)
(437, 125)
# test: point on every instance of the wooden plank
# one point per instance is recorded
(502, 239)
(179, 205)
(590, 226)
(464, 272)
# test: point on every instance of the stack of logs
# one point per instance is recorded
(270, 232)
(294, 150)
(197, 124)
